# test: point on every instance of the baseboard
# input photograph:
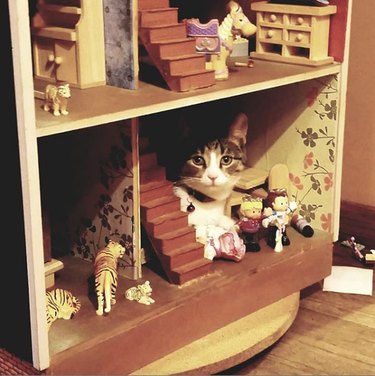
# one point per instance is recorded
(359, 221)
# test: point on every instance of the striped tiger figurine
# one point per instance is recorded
(106, 275)
(60, 304)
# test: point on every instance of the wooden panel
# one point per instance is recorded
(119, 40)
(359, 221)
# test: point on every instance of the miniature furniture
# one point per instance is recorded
(171, 51)
(293, 33)
(115, 347)
(174, 242)
(68, 42)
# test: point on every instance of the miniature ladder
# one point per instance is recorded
(169, 48)
(173, 240)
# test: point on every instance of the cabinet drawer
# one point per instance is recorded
(272, 34)
(299, 20)
(274, 18)
(298, 36)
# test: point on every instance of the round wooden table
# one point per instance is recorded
(231, 344)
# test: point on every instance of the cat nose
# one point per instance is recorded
(212, 177)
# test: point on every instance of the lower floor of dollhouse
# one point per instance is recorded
(134, 335)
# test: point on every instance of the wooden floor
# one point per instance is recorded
(333, 334)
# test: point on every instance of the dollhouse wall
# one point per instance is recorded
(304, 137)
(94, 185)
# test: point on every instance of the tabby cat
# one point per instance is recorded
(60, 304)
(105, 271)
(208, 177)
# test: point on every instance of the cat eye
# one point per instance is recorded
(226, 160)
(198, 160)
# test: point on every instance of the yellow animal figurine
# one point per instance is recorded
(56, 98)
(106, 275)
(234, 24)
(61, 304)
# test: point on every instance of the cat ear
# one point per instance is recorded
(238, 130)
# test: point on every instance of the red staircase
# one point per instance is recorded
(169, 48)
(181, 257)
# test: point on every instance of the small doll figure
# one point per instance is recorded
(279, 202)
(250, 222)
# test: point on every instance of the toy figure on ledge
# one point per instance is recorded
(278, 200)
(251, 221)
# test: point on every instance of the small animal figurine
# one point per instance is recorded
(56, 98)
(140, 293)
(216, 41)
(106, 278)
(279, 202)
(60, 304)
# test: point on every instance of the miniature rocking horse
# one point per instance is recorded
(216, 42)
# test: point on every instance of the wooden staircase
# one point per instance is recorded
(169, 48)
(173, 240)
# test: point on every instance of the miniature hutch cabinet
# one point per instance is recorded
(293, 33)
(68, 42)
(292, 120)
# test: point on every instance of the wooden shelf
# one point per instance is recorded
(105, 104)
(59, 9)
(130, 334)
(55, 32)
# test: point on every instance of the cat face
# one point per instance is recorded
(214, 168)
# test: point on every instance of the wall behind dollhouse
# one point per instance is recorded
(358, 179)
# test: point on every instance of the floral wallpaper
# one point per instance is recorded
(312, 177)
(107, 211)
(297, 125)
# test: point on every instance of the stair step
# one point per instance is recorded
(159, 33)
(155, 174)
(174, 239)
(156, 208)
(157, 17)
(192, 80)
(148, 160)
(183, 64)
(161, 225)
(184, 255)
(152, 4)
(175, 47)
(190, 271)
(155, 189)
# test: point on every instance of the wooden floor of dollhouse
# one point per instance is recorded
(133, 335)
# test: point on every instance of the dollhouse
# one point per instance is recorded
(296, 114)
